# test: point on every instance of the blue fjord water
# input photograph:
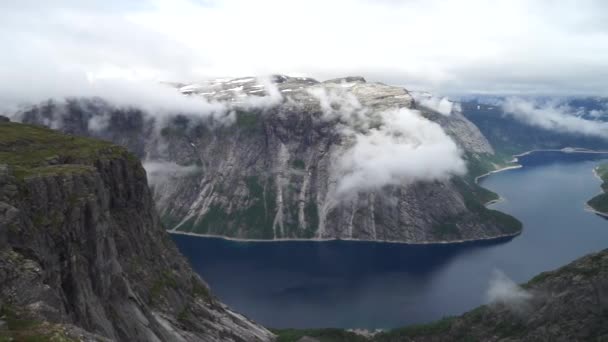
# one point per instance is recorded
(372, 285)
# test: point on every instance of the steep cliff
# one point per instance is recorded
(83, 255)
(271, 172)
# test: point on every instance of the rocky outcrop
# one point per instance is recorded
(270, 173)
(83, 255)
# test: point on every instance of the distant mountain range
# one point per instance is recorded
(511, 136)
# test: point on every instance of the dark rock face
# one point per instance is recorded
(82, 245)
(568, 304)
(269, 174)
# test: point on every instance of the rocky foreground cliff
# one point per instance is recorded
(83, 255)
(298, 158)
(568, 304)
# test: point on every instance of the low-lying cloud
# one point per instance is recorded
(158, 101)
(160, 172)
(503, 290)
(555, 116)
(441, 105)
(406, 148)
(385, 147)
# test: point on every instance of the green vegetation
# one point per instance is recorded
(478, 165)
(299, 164)
(600, 202)
(438, 327)
(475, 199)
(33, 150)
(589, 267)
(446, 230)
(165, 281)
(312, 216)
(255, 219)
(200, 290)
(510, 328)
(323, 335)
(169, 221)
(21, 328)
(248, 121)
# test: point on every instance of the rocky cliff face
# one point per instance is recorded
(83, 255)
(271, 172)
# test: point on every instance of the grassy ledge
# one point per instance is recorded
(37, 151)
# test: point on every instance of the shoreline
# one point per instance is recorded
(563, 150)
(516, 157)
(499, 199)
(506, 168)
(228, 238)
(590, 208)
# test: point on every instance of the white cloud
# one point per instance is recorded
(161, 172)
(505, 291)
(384, 147)
(405, 148)
(339, 103)
(514, 46)
(27, 87)
(552, 115)
(441, 105)
(273, 96)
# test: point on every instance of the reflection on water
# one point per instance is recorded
(382, 285)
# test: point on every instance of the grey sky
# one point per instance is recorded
(450, 47)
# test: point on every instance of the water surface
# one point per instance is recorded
(382, 285)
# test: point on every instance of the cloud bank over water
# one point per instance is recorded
(555, 116)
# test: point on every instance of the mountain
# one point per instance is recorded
(267, 168)
(509, 135)
(568, 304)
(83, 255)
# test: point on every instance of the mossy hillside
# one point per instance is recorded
(322, 335)
(475, 199)
(255, 219)
(481, 164)
(416, 330)
(586, 268)
(33, 150)
(19, 327)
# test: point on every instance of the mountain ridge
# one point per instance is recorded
(271, 174)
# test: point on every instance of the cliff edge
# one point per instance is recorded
(83, 255)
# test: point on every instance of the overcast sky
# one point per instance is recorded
(448, 47)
